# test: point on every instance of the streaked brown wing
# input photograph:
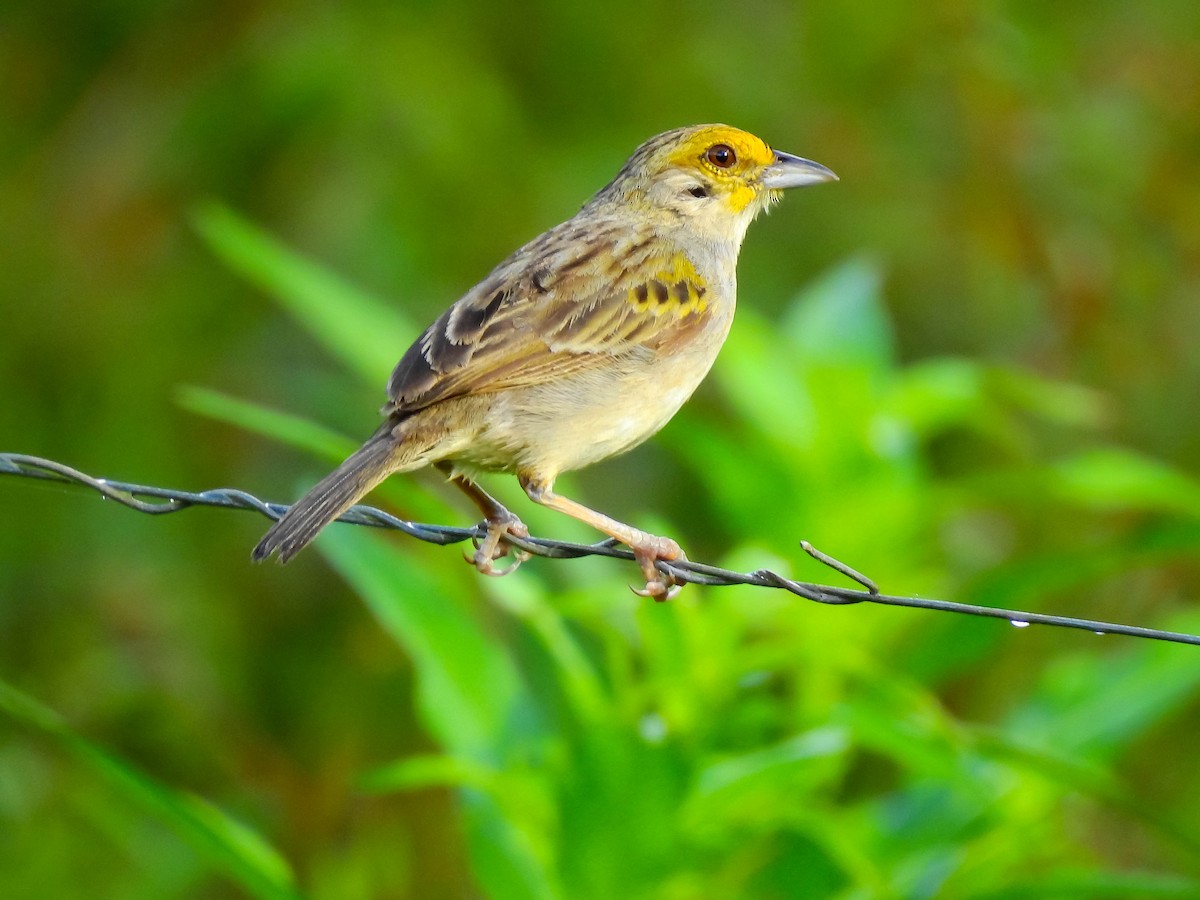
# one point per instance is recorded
(546, 313)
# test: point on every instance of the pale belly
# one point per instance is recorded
(579, 420)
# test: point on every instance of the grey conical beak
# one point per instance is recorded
(794, 171)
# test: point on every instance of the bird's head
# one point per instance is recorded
(715, 178)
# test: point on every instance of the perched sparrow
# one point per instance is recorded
(577, 347)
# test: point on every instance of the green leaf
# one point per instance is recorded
(367, 335)
(412, 496)
(257, 419)
(1064, 403)
(770, 397)
(1067, 772)
(471, 693)
(817, 370)
(1097, 705)
(420, 772)
(227, 844)
(772, 767)
(840, 319)
(936, 394)
(1117, 479)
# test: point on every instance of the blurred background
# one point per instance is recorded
(967, 369)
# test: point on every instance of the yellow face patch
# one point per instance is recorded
(705, 151)
(676, 288)
(752, 152)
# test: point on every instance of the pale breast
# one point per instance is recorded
(572, 422)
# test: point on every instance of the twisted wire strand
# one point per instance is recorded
(159, 501)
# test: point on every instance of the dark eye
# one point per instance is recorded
(698, 192)
(721, 156)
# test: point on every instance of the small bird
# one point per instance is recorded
(579, 346)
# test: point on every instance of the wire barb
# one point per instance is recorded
(157, 501)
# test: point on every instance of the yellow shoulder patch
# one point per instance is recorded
(677, 288)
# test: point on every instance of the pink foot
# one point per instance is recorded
(494, 547)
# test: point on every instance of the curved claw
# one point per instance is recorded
(660, 586)
(659, 590)
(493, 546)
(485, 567)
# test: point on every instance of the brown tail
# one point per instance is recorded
(329, 498)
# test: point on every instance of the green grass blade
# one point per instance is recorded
(365, 334)
(421, 772)
(472, 699)
(469, 687)
(228, 845)
(257, 419)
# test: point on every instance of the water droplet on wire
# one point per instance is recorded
(1018, 623)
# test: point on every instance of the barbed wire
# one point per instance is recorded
(166, 500)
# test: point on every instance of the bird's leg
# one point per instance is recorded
(647, 548)
(499, 522)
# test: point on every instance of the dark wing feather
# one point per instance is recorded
(556, 306)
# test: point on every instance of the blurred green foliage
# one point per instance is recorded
(966, 369)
